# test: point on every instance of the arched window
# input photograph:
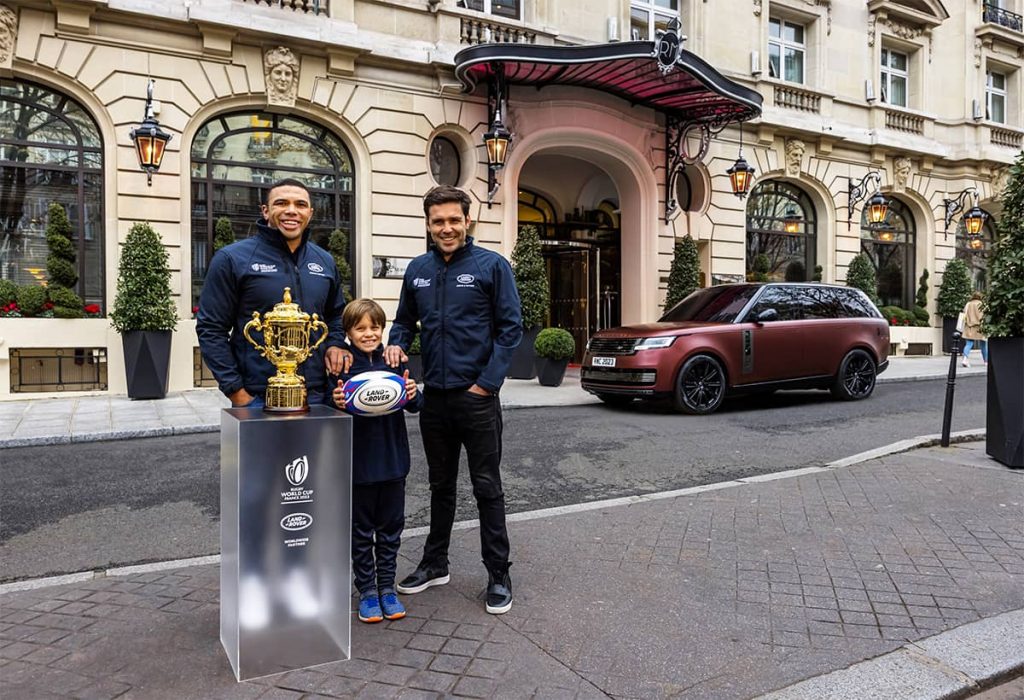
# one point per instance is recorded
(50, 151)
(790, 254)
(235, 157)
(975, 251)
(538, 210)
(890, 248)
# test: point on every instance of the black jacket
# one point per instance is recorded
(380, 444)
(469, 313)
(249, 276)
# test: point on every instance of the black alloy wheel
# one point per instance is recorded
(856, 378)
(700, 386)
(616, 400)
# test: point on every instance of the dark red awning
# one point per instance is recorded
(692, 91)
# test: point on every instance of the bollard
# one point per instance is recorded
(947, 414)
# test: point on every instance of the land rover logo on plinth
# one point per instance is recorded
(296, 521)
(668, 47)
(297, 471)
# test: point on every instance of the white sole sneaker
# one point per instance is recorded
(440, 581)
(499, 610)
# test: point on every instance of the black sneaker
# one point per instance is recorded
(499, 592)
(425, 576)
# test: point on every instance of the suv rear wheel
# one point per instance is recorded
(700, 386)
(856, 378)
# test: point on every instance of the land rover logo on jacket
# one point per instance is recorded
(315, 268)
(465, 280)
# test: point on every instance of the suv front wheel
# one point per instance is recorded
(700, 386)
(856, 378)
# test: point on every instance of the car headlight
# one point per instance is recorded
(655, 343)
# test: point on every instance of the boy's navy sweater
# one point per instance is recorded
(380, 444)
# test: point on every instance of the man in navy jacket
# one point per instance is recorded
(464, 298)
(251, 275)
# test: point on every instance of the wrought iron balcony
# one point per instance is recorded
(1004, 18)
(309, 7)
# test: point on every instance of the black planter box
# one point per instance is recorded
(551, 372)
(948, 326)
(147, 358)
(1004, 418)
(524, 359)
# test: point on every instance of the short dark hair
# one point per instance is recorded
(442, 194)
(286, 182)
(357, 308)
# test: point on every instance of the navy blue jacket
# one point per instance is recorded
(380, 444)
(249, 276)
(469, 314)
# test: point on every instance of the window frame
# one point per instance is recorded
(888, 72)
(487, 8)
(782, 43)
(992, 92)
(653, 11)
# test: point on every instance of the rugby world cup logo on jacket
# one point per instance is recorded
(297, 471)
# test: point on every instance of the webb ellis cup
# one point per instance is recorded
(286, 332)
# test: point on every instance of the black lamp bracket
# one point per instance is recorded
(858, 191)
(956, 205)
(679, 135)
(497, 104)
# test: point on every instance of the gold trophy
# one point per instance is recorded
(286, 332)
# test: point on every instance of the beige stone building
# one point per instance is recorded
(362, 100)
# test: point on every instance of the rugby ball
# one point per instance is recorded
(374, 394)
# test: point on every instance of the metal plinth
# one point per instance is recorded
(286, 520)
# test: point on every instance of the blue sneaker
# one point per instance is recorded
(369, 608)
(393, 608)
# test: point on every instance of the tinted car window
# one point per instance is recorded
(786, 301)
(857, 305)
(823, 302)
(712, 305)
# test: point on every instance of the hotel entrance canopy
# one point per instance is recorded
(696, 99)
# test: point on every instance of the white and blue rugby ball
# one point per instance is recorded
(375, 393)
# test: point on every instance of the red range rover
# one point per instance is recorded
(739, 338)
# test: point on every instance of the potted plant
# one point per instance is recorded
(223, 233)
(554, 348)
(534, 295)
(60, 265)
(861, 275)
(684, 274)
(144, 312)
(337, 244)
(1004, 325)
(954, 293)
(415, 361)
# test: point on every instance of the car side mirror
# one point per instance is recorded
(767, 316)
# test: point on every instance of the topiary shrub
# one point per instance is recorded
(861, 274)
(684, 274)
(531, 277)
(818, 269)
(223, 233)
(61, 272)
(8, 292)
(762, 266)
(555, 344)
(1004, 302)
(337, 244)
(66, 304)
(922, 290)
(921, 317)
(143, 301)
(955, 290)
(31, 299)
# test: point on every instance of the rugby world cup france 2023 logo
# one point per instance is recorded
(297, 471)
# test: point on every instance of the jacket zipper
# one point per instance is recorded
(444, 317)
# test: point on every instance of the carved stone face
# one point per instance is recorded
(281, 77)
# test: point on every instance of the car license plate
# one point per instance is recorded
(603, 362)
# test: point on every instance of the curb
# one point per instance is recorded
(102, 436)
(953, 664)
(925, 377)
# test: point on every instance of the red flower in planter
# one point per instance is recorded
(91, 310)
(47, 306)
(195, 310)
(893, 321)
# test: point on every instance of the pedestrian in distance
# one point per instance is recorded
(251, 275)
(465, 300)
(973, 315)
(380, 465)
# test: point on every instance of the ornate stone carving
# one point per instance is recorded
(757, 8)
(903, 31)
(8, 33)
(794, 156)
(1000, 178)
(977, 53)
(281, 72)
(900, 173)
(872, 20)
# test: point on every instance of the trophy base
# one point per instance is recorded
(287, 397)
(286, 409)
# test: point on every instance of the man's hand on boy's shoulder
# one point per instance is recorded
(394, 356)
(338, 360)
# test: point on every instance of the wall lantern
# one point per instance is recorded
(877, 206)
(740, 174)
(791, 221)
(150, 140)
(497, 141)
(973, 220)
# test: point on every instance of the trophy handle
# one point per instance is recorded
(313, 325)
(257, 326)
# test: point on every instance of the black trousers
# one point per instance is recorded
(378, 518)
(449, 421)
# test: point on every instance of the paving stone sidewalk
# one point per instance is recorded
(726, 592)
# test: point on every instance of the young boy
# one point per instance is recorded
(379, 468)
